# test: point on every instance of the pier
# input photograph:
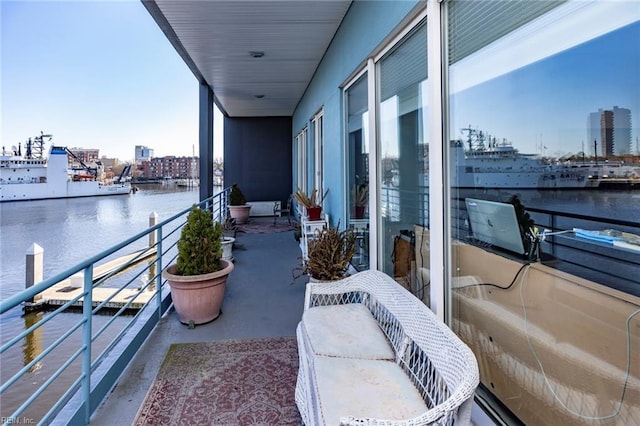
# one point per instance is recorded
(69, 289)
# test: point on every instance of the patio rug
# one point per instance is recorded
(232, 382)
(265, 227)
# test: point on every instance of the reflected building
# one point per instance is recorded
(609, 132)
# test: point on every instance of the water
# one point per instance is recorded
(69, 231)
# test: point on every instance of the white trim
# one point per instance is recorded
(437, 190)
(318, 142)
(374, 161)
(301, 142)
(354, 79)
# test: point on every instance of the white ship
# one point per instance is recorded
(34, 176)
(492, 164)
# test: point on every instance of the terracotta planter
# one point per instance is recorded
(314, 213)
(240, 213)
(198, 298)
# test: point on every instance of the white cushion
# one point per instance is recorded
(345, 331)
(365, 388)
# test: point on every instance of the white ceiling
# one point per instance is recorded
(215, 39)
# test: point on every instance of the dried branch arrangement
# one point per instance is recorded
(330, 253)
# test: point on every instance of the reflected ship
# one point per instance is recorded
(34, 176)
(492, 164)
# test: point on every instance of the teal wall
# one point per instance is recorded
(363, 29)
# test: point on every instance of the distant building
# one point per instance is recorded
(621, 131)
(87, 156)
(610, 132)
(171, 167)
(143, 153)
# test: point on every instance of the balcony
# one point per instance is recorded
(260, 302)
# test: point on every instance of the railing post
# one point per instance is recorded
(87, 313)
(153, 238)
(159, 275)
(153, 220)
(34, 268)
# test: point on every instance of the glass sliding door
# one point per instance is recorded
(403, 151)
(544, 107)
(358, 167)
(318, 141)
(301, 142)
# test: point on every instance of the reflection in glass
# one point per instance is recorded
(403, 155)
(543, 106)
(358, 168)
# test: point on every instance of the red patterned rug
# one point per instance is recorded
(232, 382)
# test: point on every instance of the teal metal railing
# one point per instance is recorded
(94, 353)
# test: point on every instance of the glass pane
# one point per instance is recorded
(403, 157)
(358, 168)
(545, 217)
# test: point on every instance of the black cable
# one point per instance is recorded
(499, 286)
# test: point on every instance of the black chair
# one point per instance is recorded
(279, 210)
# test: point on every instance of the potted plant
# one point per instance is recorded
(360, 199)
(198, 279)
(312, 204)
(238, 207)
(227, 248)
(329, 254)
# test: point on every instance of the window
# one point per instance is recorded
(357, 156)
(533, 105)
(403, 150)
(301, 142)
(318, 140)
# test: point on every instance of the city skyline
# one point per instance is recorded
(96, 75)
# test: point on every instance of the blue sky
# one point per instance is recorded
(547, 102)
(95, 75)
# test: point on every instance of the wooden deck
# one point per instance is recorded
(71, 288)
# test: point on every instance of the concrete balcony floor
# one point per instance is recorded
(260, 301)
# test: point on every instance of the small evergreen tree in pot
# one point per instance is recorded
(238, 207)
(200, 246)
(236, 197)
(198, 278)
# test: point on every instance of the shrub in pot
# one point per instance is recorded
(330, 253)
(198, 278)
(238, 207)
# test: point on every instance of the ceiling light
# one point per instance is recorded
(256, 54)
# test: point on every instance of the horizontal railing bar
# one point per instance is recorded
(26, 294)
(67, 395)
(118, 313)
(123, 267)
(40, 356)
(120, 290)
(39, 324)
(117, 338)
(214, 204)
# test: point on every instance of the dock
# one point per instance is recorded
(67, 290)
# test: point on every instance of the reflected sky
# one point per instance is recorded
(547, 103)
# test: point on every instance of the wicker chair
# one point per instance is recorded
(344, 370)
